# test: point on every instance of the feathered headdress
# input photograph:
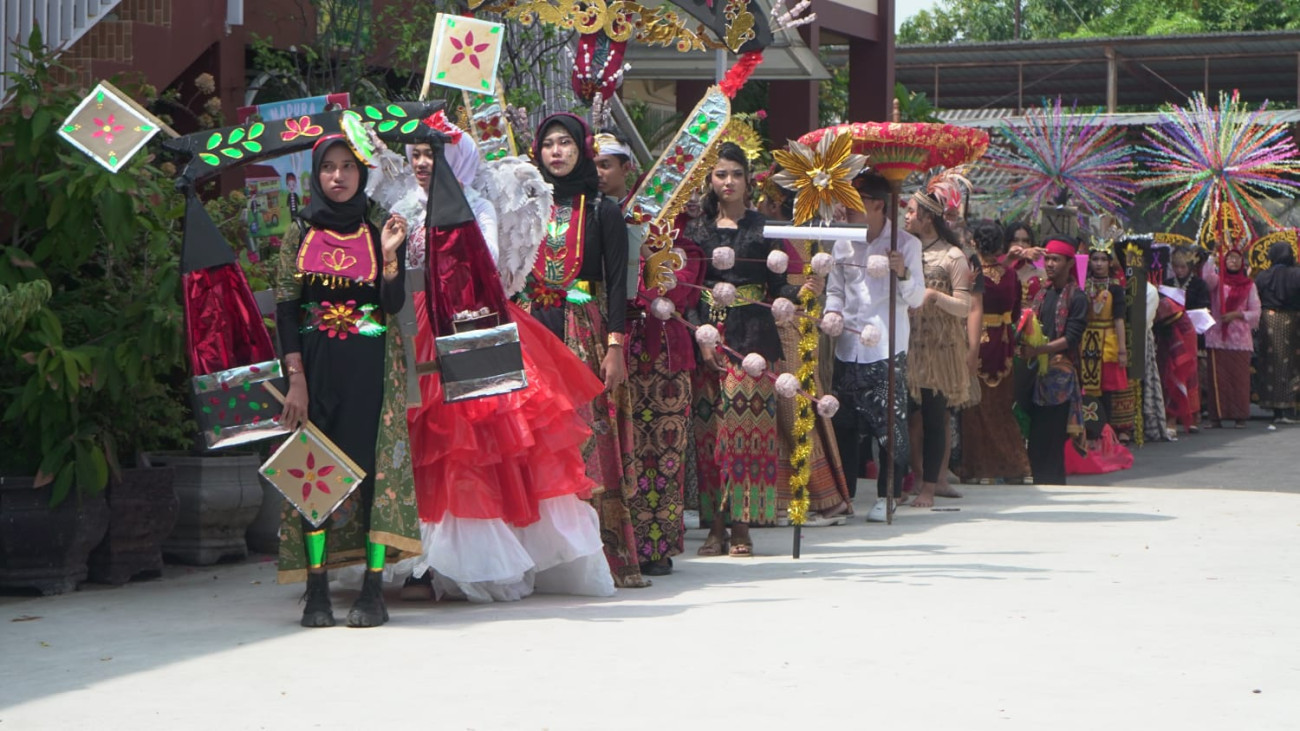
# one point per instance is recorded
(946, 190)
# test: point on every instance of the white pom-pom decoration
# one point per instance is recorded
(870, 336)
(707, 336)
(782, 310)
(778, 261)
(877, 266)
(724, 293)
(842, 250)
(662, 308)
(827, 406)
(821, 264)
(724, 258)
(832, 324)
(754, 364)
(787, 385)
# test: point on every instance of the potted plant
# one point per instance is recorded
(86, 373)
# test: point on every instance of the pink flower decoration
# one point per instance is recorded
(107, 128)
(311, 474)
(467, 49)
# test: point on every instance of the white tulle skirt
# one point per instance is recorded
(491, 561)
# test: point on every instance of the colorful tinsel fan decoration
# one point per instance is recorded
(820, 175)
(1220, 163)
(1059, 153)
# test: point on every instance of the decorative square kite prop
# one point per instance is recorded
(312, 473)
(109, 127)
(464, 54)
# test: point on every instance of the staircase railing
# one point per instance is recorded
(62, 23)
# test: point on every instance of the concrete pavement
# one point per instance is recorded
(1029, 608)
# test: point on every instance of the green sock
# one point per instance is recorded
(315, 542)
(375, 554)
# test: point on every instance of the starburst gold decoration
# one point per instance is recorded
(744, 137)
(820, 176)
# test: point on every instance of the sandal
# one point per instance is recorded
(741, 550)
(714, 545)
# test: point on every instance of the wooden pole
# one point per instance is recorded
(895, 190)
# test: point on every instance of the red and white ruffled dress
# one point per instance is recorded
(499, 480)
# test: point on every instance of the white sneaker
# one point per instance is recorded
(877, 512)
(691, 518)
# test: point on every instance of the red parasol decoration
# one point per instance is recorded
(898, 149)
(895, 150)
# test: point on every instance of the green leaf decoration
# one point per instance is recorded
(495, 30)
(373, 113)
(232, 403)
(410, 126)
(233, 153)
(451, 22)
(252, 146)
(254, 406)
(387, 125)
(207, 409)
(269, 472)
(248, 387)
(210, 159)
(214, 141)
(256, 130)
(442, 75)
(112, 159)
(216, 429)
(236, 135)
(145, 128)
(485, 83)
(99, 96)
(396, 111)
(70, 128)
(303, 437)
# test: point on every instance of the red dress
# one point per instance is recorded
(499, 456)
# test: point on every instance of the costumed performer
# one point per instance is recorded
(991, 443)
(735, 416)
(1229, 343)
(340, 280)
(1104, 352)
(578, 289)
(857, 304)
(937, 373)
(498, 478)
(1055, 412)
(1279, 349)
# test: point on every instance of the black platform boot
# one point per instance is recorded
(369, 609)
(318, 612)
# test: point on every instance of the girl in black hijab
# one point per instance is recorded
(1279, 334)
(578, 288)
(340, 280)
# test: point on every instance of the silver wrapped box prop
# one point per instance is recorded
(478, 363)
(232, 408)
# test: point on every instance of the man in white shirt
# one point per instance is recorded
(858, 302)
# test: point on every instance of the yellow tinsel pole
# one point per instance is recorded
(805, 418)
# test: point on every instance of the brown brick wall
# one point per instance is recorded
(153, 12)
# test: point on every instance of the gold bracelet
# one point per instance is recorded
(390, 267)
(292, 370)
(614, 340)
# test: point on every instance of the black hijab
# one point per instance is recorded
(324, 213)
(583, 178)
(1279, 285)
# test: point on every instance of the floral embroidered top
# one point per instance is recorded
(1235, 335)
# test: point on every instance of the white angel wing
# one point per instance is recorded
(523, 203)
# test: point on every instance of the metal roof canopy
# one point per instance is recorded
(1109, 72)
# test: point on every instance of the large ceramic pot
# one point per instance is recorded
(219, 496)
(45, 548)
(142, 512)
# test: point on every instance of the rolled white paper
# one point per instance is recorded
(821, 264)
(787, 385)
(878, 266)
(724, 258)
(662, 308)
(724, 293)
(827, 406)
(782, 310)
(870, 336)
(778, 261)
(754, 364)
(832, 324)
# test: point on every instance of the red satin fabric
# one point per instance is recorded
(498, 457)
(1109, 456)
(466, 278)
(223, 327)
